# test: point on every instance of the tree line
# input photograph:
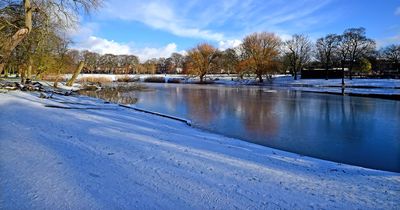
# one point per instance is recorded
(33, 42)
(264, 54)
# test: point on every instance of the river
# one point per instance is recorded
(354, 130)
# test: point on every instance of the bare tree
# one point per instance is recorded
(357, 45)
(170, 67)
(392, 54)
(161, 65)
(91, 60)
(229, 60)
(177, 61)
(298, 51)
(342, 52)
(108, 63)
(131, 62)
(150, 66)
(262, 52)
(326, 47)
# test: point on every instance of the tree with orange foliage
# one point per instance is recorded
(262, 51)
(245, 66)
(202, 60)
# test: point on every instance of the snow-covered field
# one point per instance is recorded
(103, 156)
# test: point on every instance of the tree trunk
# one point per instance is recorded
(76, 73)
(23, 75)
(201, 78)
(342, 74)
(6, 71)
(55, 85)
(295, 74)
(10, 45)
(14, 40)
(351, 70)
(301, 71)
(29, 71)
(2, 66)
(39, 76)
(326, 72)
(260, 79)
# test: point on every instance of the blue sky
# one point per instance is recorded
(156, 28)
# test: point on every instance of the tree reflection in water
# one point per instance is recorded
(121, 93)
(211, 105)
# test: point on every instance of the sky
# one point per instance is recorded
(157, 28)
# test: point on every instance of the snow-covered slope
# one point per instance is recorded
(110, 157)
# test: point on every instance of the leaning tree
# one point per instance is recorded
(62, 13)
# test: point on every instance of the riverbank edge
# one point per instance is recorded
(385, 91)
(379, 88)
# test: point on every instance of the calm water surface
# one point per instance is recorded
(354, 130)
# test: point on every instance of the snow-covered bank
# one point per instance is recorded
(367, 87)
(383, 88)
(109, 157)
(356, 86)
(354, 83)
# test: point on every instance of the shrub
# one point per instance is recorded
(127, 78)
(130, 87)
(95, 80)
(53, 78)
(174, 80)
(155, 79)
(206, 82)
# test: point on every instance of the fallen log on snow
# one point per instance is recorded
(34, 86)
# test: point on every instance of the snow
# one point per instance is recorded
(371, 83)
(111, 157)
(74, 87)
(355, 86)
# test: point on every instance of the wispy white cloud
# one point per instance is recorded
(159, 15)
(217, 20)
(104, 46)
(223, 22)
(223, 45)
(149, 52)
